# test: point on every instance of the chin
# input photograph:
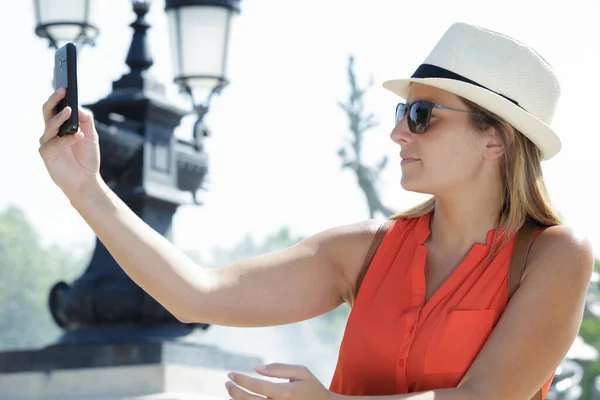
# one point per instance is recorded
(414, 185)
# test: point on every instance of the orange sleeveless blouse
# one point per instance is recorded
(395, 342)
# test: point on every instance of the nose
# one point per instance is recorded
(401, 134)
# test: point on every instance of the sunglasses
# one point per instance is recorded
(419, 114)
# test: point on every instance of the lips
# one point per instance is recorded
(407, 159)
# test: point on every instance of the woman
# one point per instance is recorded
(433, 318)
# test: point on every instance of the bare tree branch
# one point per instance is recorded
(359, 123)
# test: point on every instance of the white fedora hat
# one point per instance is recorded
(496, 72)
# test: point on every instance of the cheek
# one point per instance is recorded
(452, 161)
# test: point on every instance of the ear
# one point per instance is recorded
(494, 145)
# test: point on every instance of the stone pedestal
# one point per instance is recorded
(144, 371)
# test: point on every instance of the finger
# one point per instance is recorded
(51, 147)
(238, 393)
(285, 371)
(54, 124)
(49, 107)
(256, 385)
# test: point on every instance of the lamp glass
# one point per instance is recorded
(199, 44)
(69, 15)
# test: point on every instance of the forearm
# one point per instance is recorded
(462, 393)
(148, 258)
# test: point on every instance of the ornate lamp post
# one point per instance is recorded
(142, 161)
(111, 328)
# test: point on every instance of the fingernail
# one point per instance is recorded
(260, 367)
(66, 109)
(231, 376)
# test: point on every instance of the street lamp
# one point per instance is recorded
(112, 329)
(142, 160)
(199, 32)
(66, 21)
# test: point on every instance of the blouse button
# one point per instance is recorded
(411, 330)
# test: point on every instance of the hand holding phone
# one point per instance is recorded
(73, 160)
(65, 75)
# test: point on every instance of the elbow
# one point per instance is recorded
(185, 319)
(191, 306)
(189, 317)
(192, 314)
(180, 312)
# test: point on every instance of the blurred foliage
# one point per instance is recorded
(27, 273)
(248, 247)
(28, 270)
(590, 332)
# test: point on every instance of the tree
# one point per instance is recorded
(352, 154)
(27, 272)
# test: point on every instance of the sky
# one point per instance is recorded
(277, 127)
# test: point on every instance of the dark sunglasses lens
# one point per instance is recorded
(418, 117)
(400, 112)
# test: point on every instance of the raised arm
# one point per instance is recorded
(294, 284)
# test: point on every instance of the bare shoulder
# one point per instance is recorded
(346, 247)
(559, 252)
(520, 355)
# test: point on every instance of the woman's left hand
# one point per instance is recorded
(302, 384)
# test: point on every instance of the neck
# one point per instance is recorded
(465, 216)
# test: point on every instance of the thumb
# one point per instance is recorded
(86, 120)
(85, 115)
(285, 371)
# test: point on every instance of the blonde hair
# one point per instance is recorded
(525, 194)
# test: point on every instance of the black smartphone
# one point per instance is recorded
(65, 75)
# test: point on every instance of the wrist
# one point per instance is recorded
(93, 189)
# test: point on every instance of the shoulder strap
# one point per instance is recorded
(519, 256)
(383, 228)
(518, 262)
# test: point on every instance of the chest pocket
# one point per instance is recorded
(457, 340)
